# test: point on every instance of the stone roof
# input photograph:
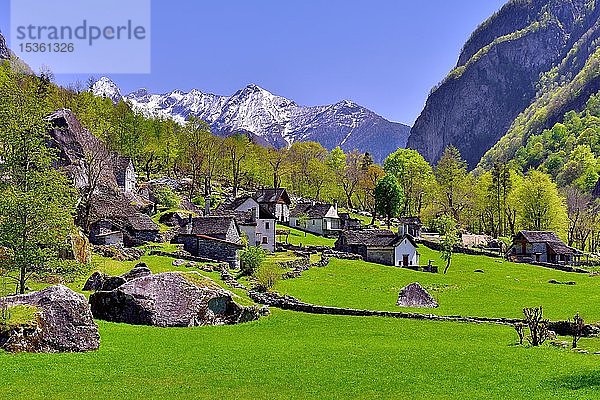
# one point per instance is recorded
(215, 226)
(117, 208)
(230, 208)
(411, 221)
(121, 164)
(547, 237)
(272, 196)
(370, 237)
(399, 239)
(317, 210)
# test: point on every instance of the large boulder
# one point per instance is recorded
(62, 322)
(170, 299)
(99, 281)
(140, 270)
(415, 296)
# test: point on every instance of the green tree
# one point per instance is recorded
(415, 176)
(450, 238)
(252, 258)
(37, 204)
(388, 198)
(540, 205)
(454, 184)
(167, 197)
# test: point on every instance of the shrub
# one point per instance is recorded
(167, 197)
(267, 275)
(252, 258)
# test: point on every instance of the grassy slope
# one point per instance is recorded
(292, 355)
(297, 237)
(298, 356)
(502, 291)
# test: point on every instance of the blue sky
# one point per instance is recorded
(383, 54)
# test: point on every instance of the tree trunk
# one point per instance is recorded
(22, 280)
(447, 265)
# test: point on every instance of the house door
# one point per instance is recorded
(405, 260)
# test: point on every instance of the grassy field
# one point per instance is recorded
(502, 290)
(300, 238)
(299, 356)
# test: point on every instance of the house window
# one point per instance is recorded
(267, 225)
(313, 221)
(265, 240)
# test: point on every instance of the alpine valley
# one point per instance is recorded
(270, 119)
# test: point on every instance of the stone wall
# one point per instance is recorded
(291, 303)
(381, 256)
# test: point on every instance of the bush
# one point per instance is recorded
(267, 275)
(167, 197)
(252, 258)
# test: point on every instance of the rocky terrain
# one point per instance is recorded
(271, 119)
(517, 74)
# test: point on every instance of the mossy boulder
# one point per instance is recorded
(52, 320)
(170, 299)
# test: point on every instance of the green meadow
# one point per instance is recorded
(292, 355)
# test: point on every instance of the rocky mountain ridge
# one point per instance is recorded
(516, 75)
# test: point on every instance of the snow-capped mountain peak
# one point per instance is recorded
(271, 119)
(106, 88)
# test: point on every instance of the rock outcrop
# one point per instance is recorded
(99, 281)
(4, 51)
(170, 299)
(63, 323)
(415, 296)
(516, 60)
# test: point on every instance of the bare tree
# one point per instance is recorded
(520, 329)
(97, 161)
(581, 211)
(578, 326)
(237, 148)
(277, 159)
(538, 326)
(351, 176)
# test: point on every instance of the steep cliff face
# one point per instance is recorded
(518, 56)
(4, 52)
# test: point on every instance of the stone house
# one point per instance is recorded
(275, 201)
(214, 237)
(254, 220)
(380, 246)
(125, 173)
(112, 212)
(410, 226)
(321, 219)
(347, 222)
(541, 247)
(104, 232)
